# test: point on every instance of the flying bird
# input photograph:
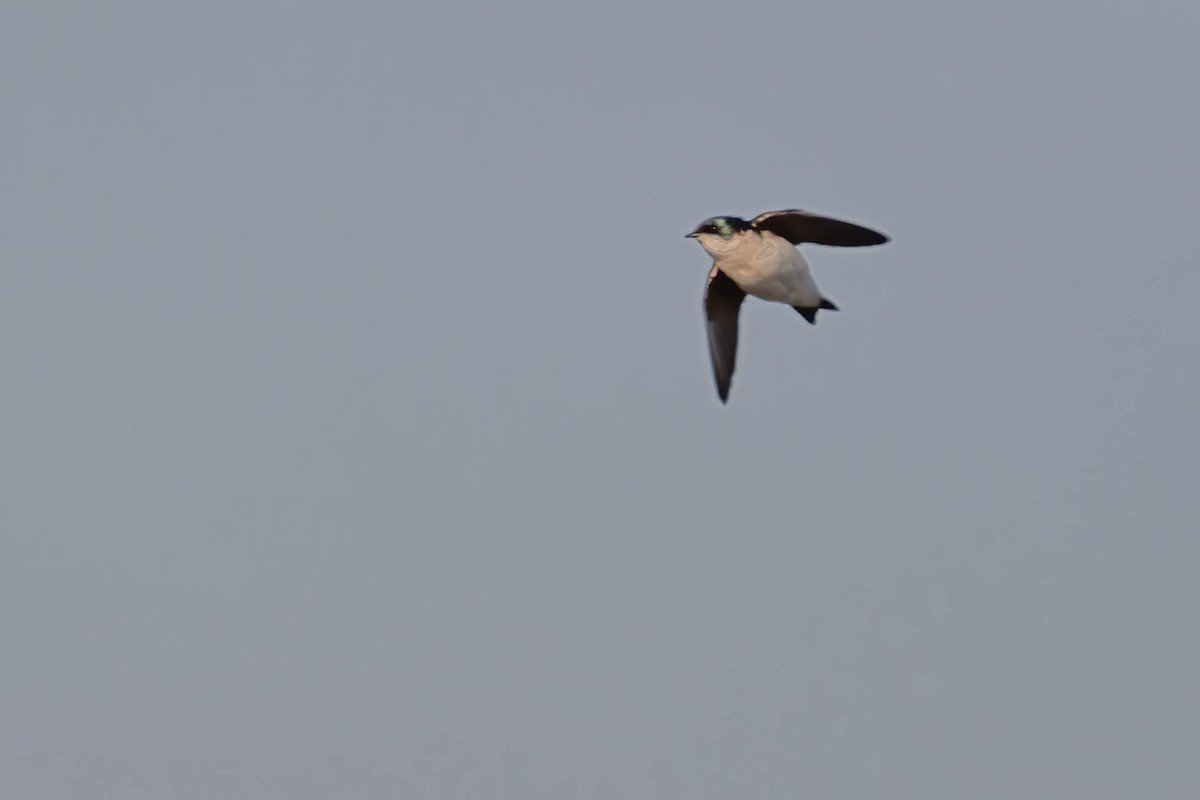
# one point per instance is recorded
(761, 258)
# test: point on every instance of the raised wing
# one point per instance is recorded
(801, 226)
(722, 302)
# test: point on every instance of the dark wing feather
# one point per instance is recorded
(722, 302)
(801, 226)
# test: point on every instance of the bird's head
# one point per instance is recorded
(725, 227)
(720, 235)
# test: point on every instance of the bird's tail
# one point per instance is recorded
(810, 312)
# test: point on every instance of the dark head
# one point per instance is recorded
(725, 227)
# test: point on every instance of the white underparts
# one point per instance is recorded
(766, 266)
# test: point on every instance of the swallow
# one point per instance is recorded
(761, 257)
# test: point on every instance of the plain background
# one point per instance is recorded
(359, 439)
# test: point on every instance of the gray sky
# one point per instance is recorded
(359, 438)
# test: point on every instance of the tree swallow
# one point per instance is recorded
(760, 257)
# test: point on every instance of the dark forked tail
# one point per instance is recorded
(810, 312)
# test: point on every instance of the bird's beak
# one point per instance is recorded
(691, 235)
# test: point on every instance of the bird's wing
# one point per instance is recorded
(801, 226)
(722, 302)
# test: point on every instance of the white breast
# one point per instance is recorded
(766, 266)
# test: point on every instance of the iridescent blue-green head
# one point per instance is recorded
(725, 227)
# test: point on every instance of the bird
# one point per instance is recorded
(761, 257)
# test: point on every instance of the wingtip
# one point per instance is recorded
(723, 388)
(871, 238)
